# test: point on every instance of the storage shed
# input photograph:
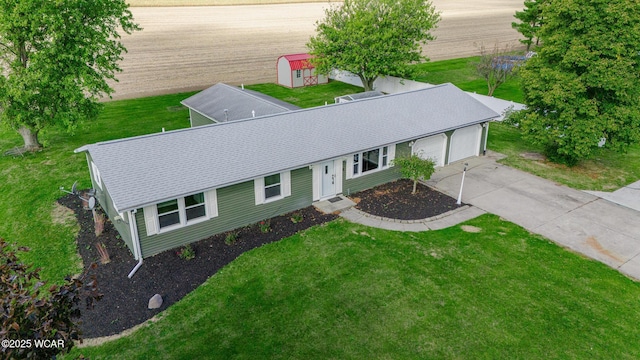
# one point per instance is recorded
(295, 70)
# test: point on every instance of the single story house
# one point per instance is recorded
(295, 70)
(168, 189)
(222, 102)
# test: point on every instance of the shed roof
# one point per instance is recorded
(148, 169)
(299, 61)
(238, 103)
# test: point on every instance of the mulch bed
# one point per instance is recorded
(394, 200)
(125, 300)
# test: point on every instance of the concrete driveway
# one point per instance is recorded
(583, 222)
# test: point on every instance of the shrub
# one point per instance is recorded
(296, 218)
(104, 254)
(187, 252)
(265, 226)
(98, 220)
(231, 238)
(414, 168)
(30, 313)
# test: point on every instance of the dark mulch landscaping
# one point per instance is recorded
(125, 300)
(394, 200)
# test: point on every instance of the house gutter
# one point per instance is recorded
(137, 250)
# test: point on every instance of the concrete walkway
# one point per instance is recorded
(583, 222)
(628, 196)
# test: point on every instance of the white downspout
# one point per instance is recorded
(135, 239)
(486, 136)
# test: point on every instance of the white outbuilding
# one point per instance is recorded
(295, 70)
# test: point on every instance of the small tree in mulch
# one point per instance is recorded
(37, 324)
(415, 168)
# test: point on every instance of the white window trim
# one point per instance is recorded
(285, 188)
(391, 155)
(96, 175)
(152, 221)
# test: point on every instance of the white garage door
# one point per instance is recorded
(465, 143)
(433, 147)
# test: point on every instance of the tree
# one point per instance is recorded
(55, 60)
(584, 84)
(530, 21)
(415, 168)
(497, 66)
(370, 38)
(28, 315)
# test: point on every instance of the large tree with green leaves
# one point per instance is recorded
(530, 21)
(370, 38)
(584, 84)
(56, 57)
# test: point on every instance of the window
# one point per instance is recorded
(180, 212)
(370, 161)
(385, 156)
(273, 187)
(168, 213)
(96, 175)
(356, 164)
(298, 74)
(194, 206)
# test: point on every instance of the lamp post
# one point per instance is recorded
(459, 202)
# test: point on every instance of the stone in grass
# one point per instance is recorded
(155, 302)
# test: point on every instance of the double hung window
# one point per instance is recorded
(181, 212)
(273, 187)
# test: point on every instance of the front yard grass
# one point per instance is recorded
(345, 291)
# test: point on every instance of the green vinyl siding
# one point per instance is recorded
(198, 119)
(367, 181)
(104, 199)
(236, 208)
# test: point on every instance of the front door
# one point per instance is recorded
(328, 179)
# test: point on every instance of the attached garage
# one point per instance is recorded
(465, 142)
(433, 147)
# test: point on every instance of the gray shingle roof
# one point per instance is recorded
(148, 169)
(239, 103)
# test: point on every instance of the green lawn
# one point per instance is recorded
(309, 96)
(606, 171)
(30, 184)
(345, 291)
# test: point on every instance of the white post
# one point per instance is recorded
(459, 202)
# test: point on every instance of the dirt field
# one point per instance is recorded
(190, 48)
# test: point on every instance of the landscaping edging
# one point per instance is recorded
(417, 221)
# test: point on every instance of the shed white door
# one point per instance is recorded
(465, 143)
(328, 179)
(433, 147)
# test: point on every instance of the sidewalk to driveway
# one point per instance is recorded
(580, 221)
